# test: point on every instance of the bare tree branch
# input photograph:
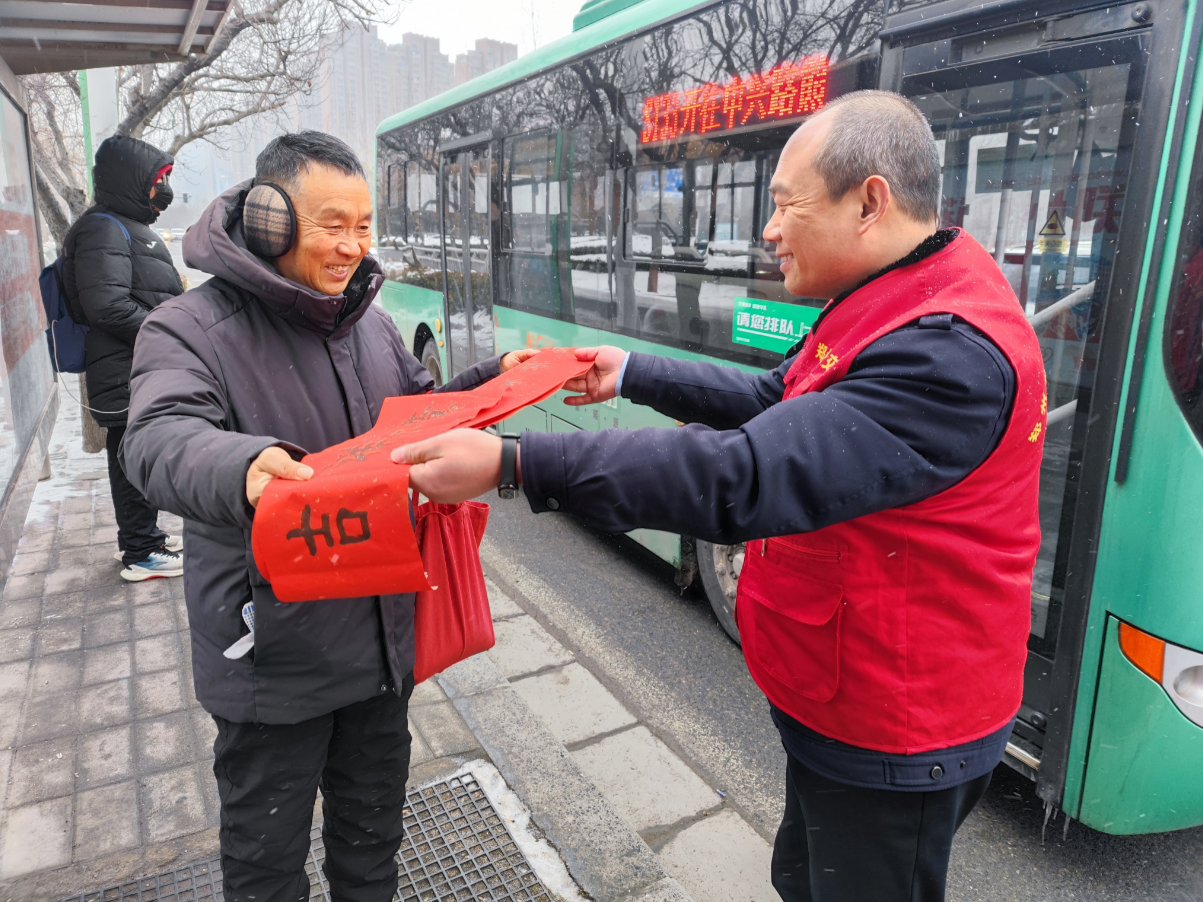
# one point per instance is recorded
(270, 47)
(268, 52)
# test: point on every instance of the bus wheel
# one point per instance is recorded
(430, 359)
(719, 567)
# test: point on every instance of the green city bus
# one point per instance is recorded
(611, 188)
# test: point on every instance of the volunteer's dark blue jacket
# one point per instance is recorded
(920, 409)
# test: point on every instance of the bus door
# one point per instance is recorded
(1037, 128)
(467, 251)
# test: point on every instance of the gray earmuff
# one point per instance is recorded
(269, 222)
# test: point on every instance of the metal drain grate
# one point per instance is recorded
(456, 849)
(195, 882)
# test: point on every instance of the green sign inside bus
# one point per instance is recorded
(770, 325)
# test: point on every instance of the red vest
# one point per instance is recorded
(905, 631)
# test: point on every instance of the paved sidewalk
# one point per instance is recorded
(568, 719)
(105, 755)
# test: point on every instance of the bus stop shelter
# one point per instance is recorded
(55, 36)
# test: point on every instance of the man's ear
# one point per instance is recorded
(875, 200)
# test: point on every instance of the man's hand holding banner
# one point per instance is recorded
(346, 532)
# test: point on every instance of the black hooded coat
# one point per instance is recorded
(245, 361)
(112, 284)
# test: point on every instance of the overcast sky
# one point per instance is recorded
(458, 23)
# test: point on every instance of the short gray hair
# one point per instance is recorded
(284, 160)
(882, 133)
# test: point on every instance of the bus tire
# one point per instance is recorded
(429, 355)
(718, 569)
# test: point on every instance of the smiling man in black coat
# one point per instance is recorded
(116, 270)
(283, 351)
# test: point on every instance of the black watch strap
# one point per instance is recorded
(508, 487)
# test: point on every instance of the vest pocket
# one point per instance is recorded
(790, 624)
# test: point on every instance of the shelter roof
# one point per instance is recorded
(58, 35)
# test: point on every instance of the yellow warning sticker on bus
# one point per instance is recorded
(1055, 227)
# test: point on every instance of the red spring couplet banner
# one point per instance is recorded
(347, 532)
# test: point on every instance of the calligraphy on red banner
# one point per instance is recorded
(788, 91)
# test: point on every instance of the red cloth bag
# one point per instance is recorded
(452, 620)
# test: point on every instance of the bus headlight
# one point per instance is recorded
(1178, 670)
(1189, 684)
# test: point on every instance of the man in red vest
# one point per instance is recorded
(885, 477)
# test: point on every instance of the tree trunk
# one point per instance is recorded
(57, 219)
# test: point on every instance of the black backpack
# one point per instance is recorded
(65, 335)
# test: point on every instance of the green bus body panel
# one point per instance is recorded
(613, 27)
(1152, 584)
(411, 308)
(1141, 747)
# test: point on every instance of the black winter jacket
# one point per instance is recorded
(111, 283)
(246, 361)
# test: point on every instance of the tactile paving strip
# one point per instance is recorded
(456, 849)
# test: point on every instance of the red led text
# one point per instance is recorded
(789, 90)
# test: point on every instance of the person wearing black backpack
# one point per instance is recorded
(116, 270)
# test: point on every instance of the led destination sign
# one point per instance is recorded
(789, 90)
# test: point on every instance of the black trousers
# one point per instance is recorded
(138, 532)
(840, 843)
(267, 778)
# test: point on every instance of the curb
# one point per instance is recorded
(604, 854)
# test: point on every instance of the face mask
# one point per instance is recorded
(163, 197)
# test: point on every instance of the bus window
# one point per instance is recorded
(736, 199)
(422, 216)
(657, 228)
(589, 243)
(391, 228)
(667, 279)
(694, 245)
(390, 208)
(530, 224)
(412, 195)
(1183, 347)
(736, 232)
(408, 240)
(533, 194)
(455, 249)
(703, 207)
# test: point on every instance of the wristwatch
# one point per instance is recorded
(508, 487)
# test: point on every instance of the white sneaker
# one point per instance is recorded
(171, 543)
(158, 565)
